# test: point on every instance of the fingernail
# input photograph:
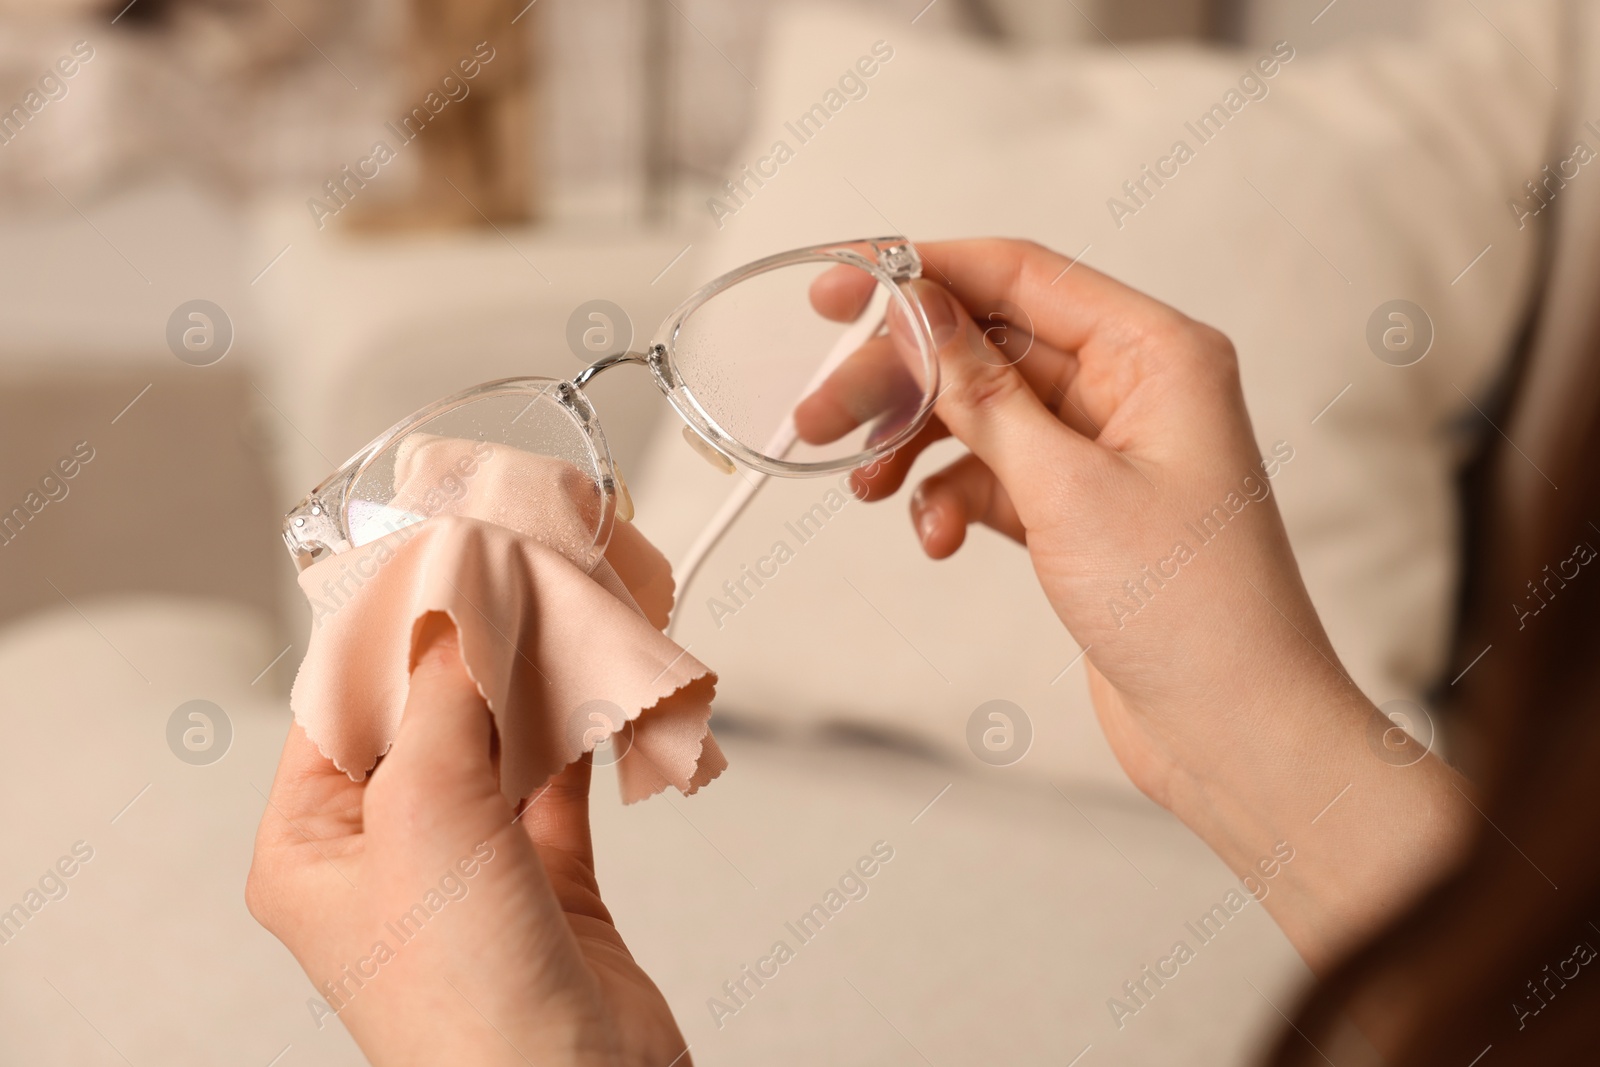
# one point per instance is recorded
(435, 640)
(927, 524)
(941, 315)
(439, 650)
(936, 308)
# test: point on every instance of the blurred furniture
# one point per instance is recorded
(995, 935)
(182, 494)
(699, 64)
(177, 500)
(1319, 26)
(368, 329)
(474, 162)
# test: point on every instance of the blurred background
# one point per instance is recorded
(200, 133)
(242, 237)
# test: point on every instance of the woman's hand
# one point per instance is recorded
(436, 925)
(1108, 433)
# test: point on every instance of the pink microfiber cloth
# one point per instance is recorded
(566, 657)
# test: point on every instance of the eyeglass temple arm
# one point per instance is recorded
(752, 481)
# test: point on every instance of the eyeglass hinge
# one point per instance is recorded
(656, 357)
(900, 259)
(309, 531)
(572, 398)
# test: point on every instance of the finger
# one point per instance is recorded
(443, 748)
(946, 503)
(557, 816)
(310, 797)
(872, 384)
(1052, 375)
(1069, 302)
(984, 400)
(1049, 372)
(842, 293)
(883, 476)
(556, 820)
(302, 768)
(1120, 335)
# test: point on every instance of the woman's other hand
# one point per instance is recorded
(439, 924)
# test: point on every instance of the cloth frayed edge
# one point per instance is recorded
(695, 781)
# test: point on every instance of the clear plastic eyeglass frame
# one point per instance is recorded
(320, 523)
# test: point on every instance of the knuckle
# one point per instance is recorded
(261, 895)
(1006, 244)
(1215, 354)
(968, 482)
(1154, 339)
(1022, 245)
(932, 486)
(1170, 329)
(1214, 343)
(1016, 254)
(1168, 333)
(984, 388)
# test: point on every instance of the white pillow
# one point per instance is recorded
(1358, 179)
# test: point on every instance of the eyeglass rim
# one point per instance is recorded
(897, 265)
(320, 523)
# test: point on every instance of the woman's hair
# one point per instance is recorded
(1504, 953)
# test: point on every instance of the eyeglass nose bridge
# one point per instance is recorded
(656, 359)
(614, 360)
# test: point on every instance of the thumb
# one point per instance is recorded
(557, 815)
(443, 747)
(983, 398)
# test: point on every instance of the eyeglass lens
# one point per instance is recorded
(796, 363)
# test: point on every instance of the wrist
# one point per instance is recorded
(441, 1026)
(1299, 773)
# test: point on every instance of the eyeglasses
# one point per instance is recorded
(784, 366)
